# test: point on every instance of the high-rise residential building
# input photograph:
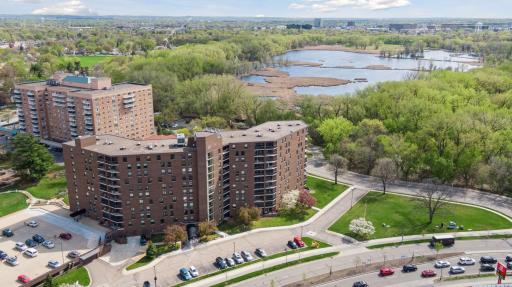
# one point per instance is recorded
(139, 187)
(318, 23)
(67, 106)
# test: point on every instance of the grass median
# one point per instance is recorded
(324, 191)
(396, 215)
(275, 268)
(418, 241)
(307, 240)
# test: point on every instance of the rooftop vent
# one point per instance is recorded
(122, 148)
(259, 135)
(138, 144)
(244, 134)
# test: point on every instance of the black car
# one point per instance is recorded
(360, 284)
(30, 243)
(146, 284)
(220, 263)
(488, 260)
(38, 238)
(508, 258)
(3, 255)
(7, 232)
(409, 268)
(260, 252)
(487, 267)
(292, 245)
(509, 265)
(143, 241)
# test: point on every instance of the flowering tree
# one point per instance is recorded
(306, 199)
(362, 228)
(290, 199)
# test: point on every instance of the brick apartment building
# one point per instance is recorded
(67, 106)
(139, 187)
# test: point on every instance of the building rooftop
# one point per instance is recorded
(115, 146)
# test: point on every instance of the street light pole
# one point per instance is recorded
(352, 200)
(154, 271)
(234, 246)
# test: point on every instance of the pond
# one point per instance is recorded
(363, 69)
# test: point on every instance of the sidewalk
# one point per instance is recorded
(429, 236)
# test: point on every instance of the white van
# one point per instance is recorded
(31, 252)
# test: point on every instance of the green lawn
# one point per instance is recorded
(406, 216)
(282, 220)
(12, 202)
(161, 249)
(53, 185)
(324, 191)
(89, 61)
(79, 275)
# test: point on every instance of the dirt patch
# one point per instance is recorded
(280, 84)
(302, 63)
(370, 268)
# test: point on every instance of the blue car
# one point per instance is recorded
(184, 274)
(292, 245)
(220, 263)
(7, 232)
(3, 255)
(38, 238)
(30, 243)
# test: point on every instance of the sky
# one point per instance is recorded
(267, 8)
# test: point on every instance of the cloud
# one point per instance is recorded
(73, 7)
(324, 6)
(27, 1)
(260, 16)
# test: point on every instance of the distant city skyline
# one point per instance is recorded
(266, 8)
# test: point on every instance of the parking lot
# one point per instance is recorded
(52, 222)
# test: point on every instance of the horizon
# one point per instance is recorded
(286, 9)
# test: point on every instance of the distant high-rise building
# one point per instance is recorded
(351, 24)
(67, 106)
(318, 23)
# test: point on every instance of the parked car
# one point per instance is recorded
(20, 246)
(246, 255)
(509, 265)
(260, 252)
(146, 284)
(409, 268)
(452, 225)
(49, 244)
(488, 260)
(193, 271)
(32, 223)
(30, 243)
(442, 264)
(360, 284)
(487, 267)
(230, 262)
(31, 252)
(53, 264)
(298, 241)
(184, 274)
(220, 263)
(238, 259)
(428, 273)
(292, 245)
(7, 232)
(386, 271)
(73, 254)
(65, 236)
(12, 260)
(3, 255)
(466, 261)
(508, 258)
(38, 238)
(23, 279)
(457, 270)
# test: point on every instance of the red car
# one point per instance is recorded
(428, 273)
(65, 236)
(386, 271)
(23, 279)
(298, 241)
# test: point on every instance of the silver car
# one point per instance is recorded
(246, 255)
(466, 261)
(442, 264)
(238, 259)
(32, 223)
(49, 244)
(457, 270)
(53, 264)
(12, 260)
